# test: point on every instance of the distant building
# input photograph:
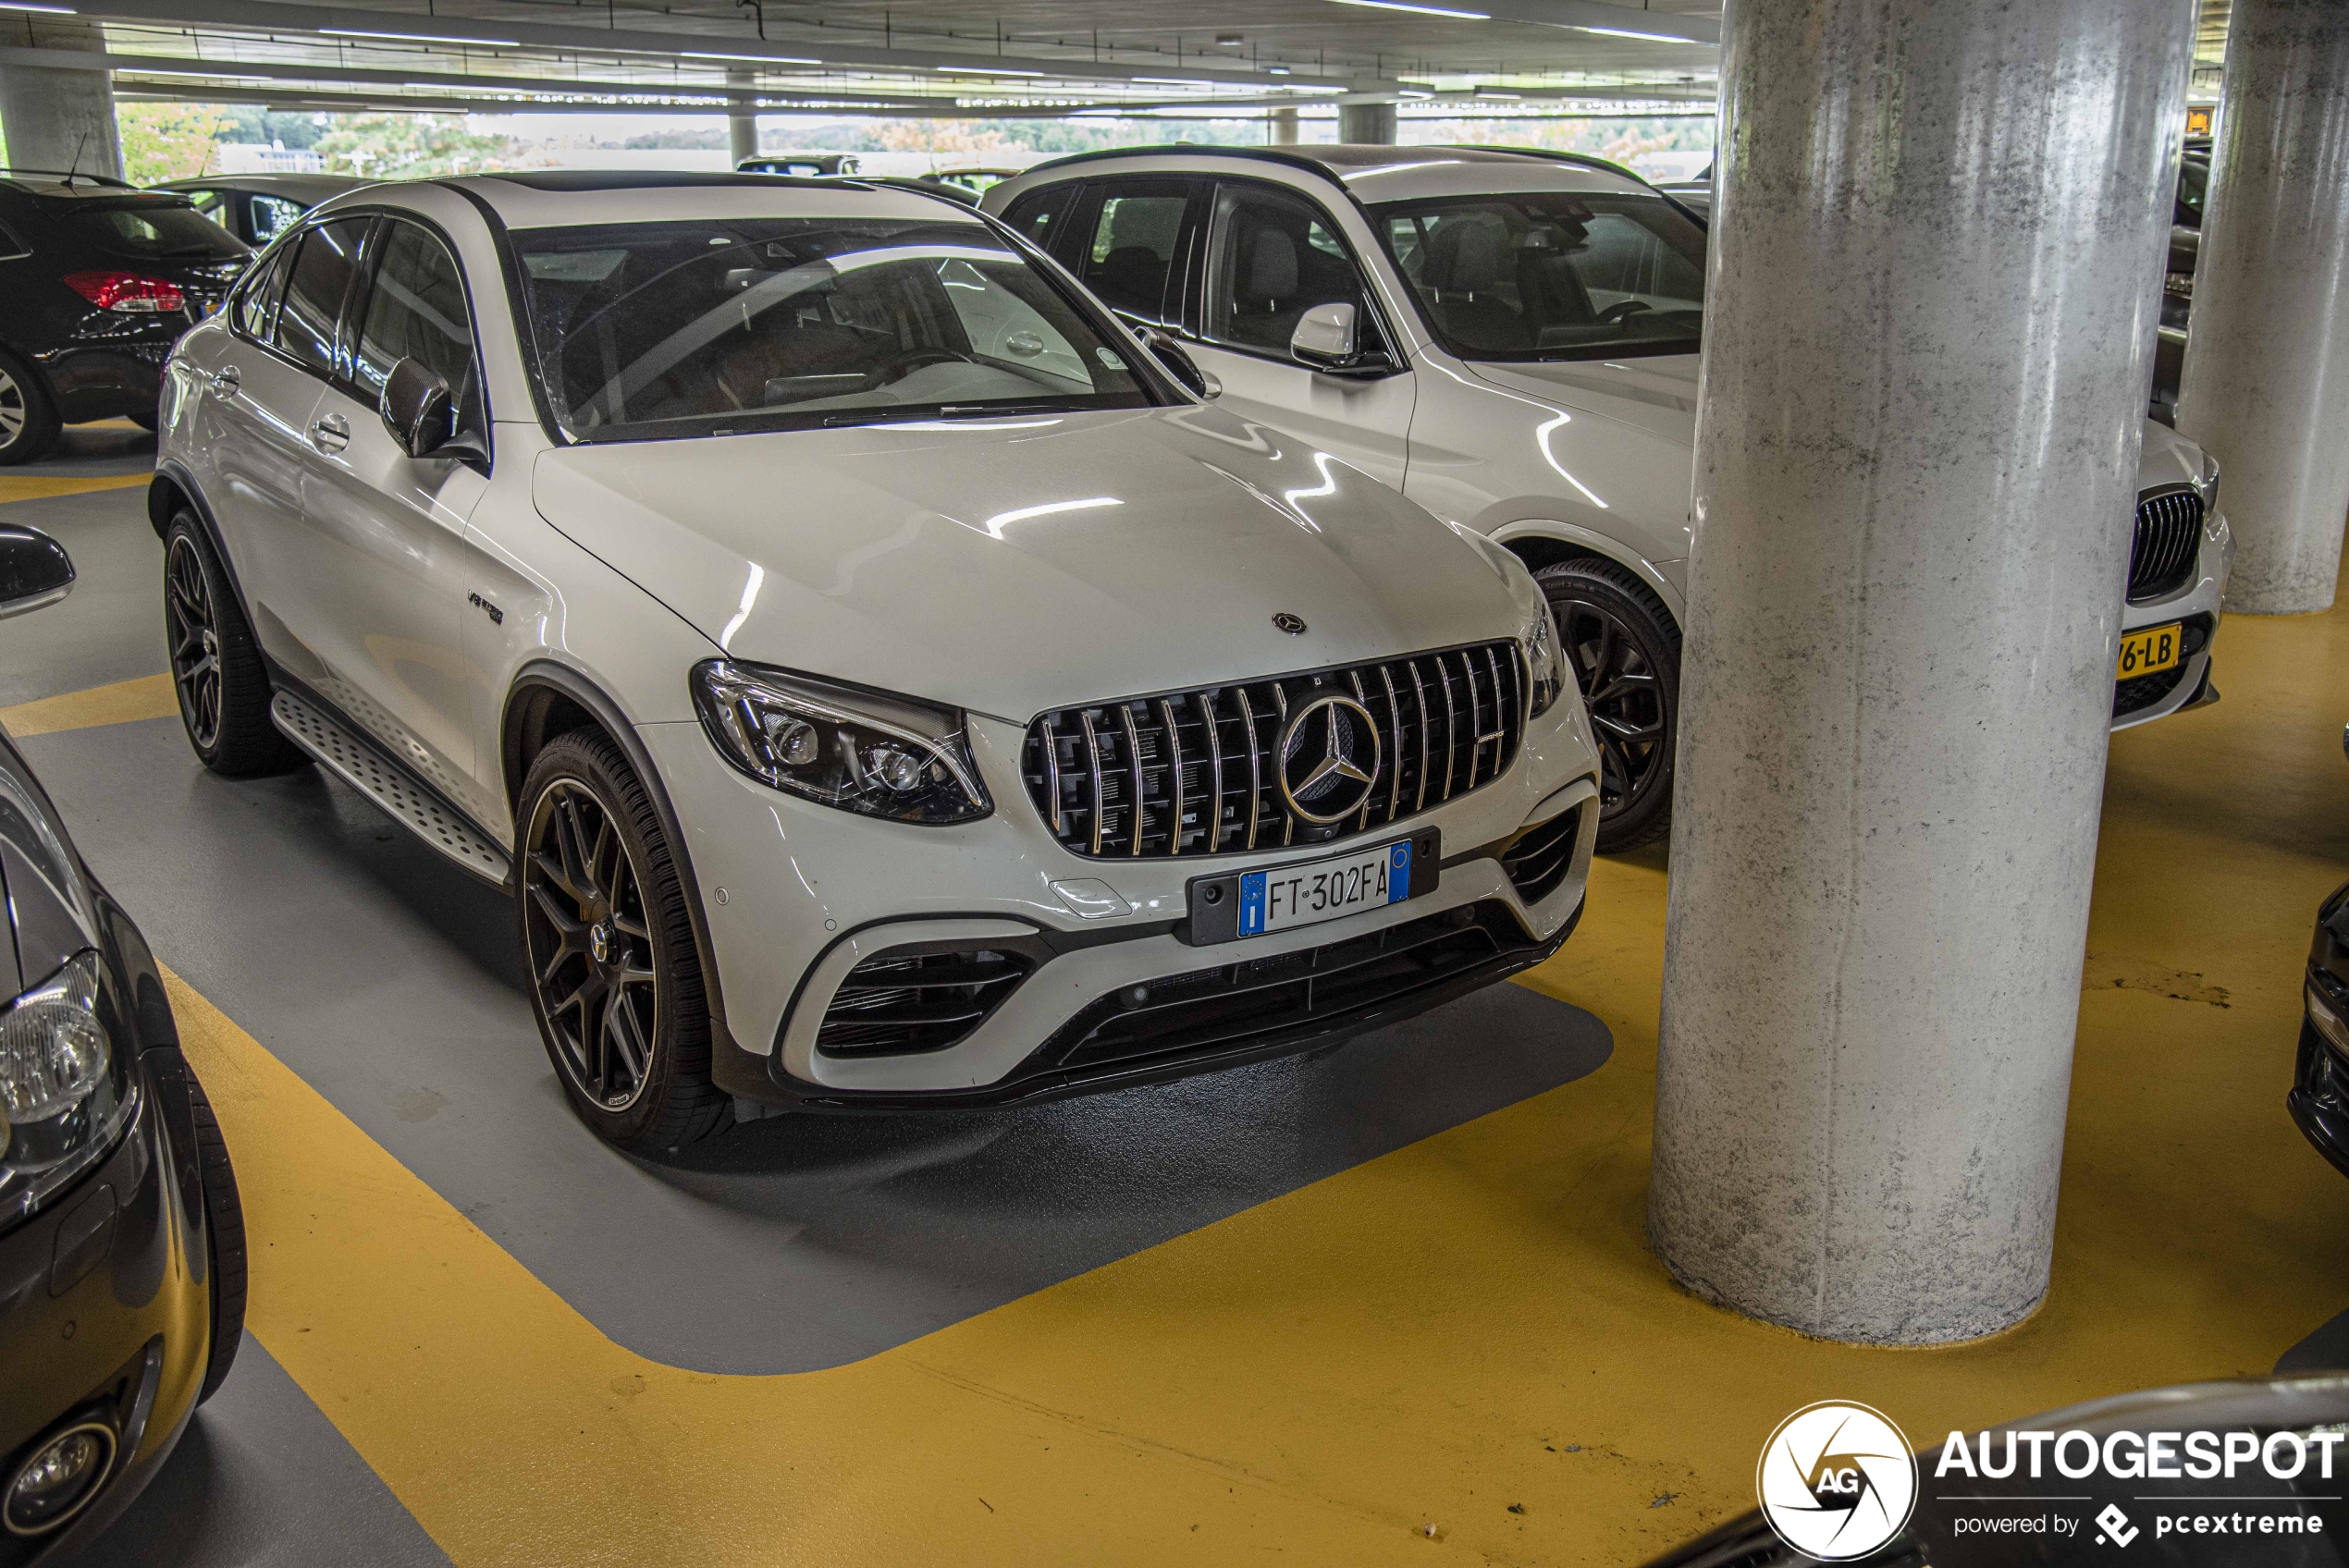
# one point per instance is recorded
(251, 157)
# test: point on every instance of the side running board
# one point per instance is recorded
(383, 782)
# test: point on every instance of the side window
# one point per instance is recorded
(320, 281)
(1131, 258)
(1037, 214)
(272, 216)
(416, 310)
(257, 303)
(216, 205)
(1273, 256)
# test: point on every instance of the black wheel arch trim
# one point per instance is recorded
(731, 1067)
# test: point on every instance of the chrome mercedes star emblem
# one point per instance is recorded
(600, 941)
(1293, 625)
(1329, 758)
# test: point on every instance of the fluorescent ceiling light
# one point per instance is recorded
(1175, 81)
(760, 59)
(1495, 93)
(158, 70)
(1424, 10)
(1276, 71)
(1626, 32)
(982, 70)
(420, 37)
(25, 6)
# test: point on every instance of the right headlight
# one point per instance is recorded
(860, 750)
(61, 1097)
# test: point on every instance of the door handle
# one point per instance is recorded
(226, 379)
(331, 434)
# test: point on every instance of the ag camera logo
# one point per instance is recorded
(1836, 1481)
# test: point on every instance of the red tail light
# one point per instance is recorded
(126, 292)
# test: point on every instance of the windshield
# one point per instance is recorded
(155, 231)
(1551, 275)
(643, 331)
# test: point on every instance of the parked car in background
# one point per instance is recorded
(877, 684)
(2320, 1098)
(803, 163)
(122, 1249)
(256, 208)
(2177, 284)
(977, 181)
(97, 281)
(1511, 338)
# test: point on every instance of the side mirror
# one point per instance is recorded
(421, 415)
(35, 571)
(1179, 365)
(1326, 337)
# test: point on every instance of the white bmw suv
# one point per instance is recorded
(1511, 339)
(877, 680)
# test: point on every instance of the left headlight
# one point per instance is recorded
(860, 750)
(1544, 662)
(62, 1099)
(2205, 484)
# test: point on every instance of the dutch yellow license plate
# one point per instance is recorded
(2154, 648)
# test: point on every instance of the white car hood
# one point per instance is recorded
(1657, 394)
(1014, 565)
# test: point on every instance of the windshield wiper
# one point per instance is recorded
(904, 414)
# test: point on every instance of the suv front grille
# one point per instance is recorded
(2168, 544)
(899, 1003)
(1198, 772)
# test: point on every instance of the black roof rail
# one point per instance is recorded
(1581, 160)
(1191, 150)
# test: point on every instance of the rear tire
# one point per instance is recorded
(1625, 648)
(615, 977)
(28, 420)
(223, 1215)
(215, 664)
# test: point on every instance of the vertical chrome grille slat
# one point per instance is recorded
(1134, 768)
(1473, 684)
(1215, 771)
(1255, 773)
(1175, 746)
(1394, 721)
(1052, 774)
(1093, 751)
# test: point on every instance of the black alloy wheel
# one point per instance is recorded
(615, 977)
(215, 666)
(195, 643)
(28, 423)
(1625, 649)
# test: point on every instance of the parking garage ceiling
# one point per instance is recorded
(1043, 57)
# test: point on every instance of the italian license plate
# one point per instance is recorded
(1324, 889)
(2154, 648)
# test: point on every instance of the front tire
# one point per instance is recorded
(1625, 648)
(224, 1214)
(215, 664)
(615, 978)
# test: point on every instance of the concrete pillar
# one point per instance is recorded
(1935, 264)
(1284, 127)
(50, 117)
(1366, 123)
(2266, 387)
(741, 120)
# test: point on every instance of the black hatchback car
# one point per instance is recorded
(122, 1255)
(97, 281)
(2319, 1098)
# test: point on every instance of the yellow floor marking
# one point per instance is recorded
(1470, 1322)
(149, 696)
(35, 487)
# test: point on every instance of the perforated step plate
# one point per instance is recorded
(367, 770)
